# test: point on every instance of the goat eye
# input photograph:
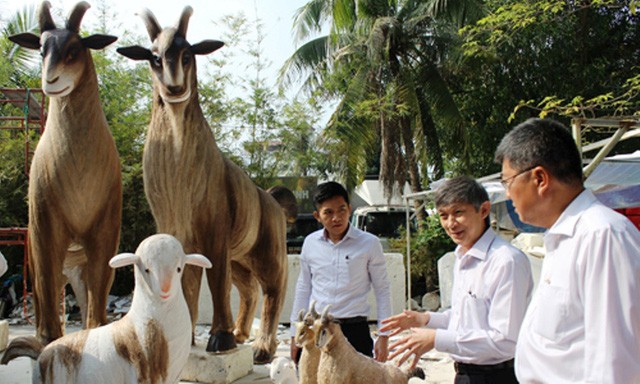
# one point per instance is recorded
(186, 58)
(71, 55)
(146, 270)
(179, 269)
(156, 61)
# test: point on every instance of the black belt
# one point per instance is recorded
(353, 320)
(475, 368)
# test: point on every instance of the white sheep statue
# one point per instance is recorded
(150, 344)
(341, 363)
(283, 371)
(206, 201)
(75, 186)
(305, 337)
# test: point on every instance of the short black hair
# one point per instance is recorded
(542, 142)
(460, 189)
(328, 190)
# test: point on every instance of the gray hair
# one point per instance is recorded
(542, 142)
(461, 189)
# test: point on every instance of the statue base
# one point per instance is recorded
(213, 368)
(4, 334)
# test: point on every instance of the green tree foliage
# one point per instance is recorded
(277, 136)
(428, 244)
(552, 58)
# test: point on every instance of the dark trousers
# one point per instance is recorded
(356, 330)
(502, 373)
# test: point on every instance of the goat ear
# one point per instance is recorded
(98, 41)
(135, 52)
(123, 259)
(206, 46)
(27, 40)
(199, 260)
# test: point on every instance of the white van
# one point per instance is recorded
(383, 221)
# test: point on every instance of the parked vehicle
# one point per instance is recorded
(383, 221)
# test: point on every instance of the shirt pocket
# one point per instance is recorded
(356, 263)
(551, 311)
(474, 313)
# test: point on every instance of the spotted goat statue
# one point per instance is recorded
(75, 187)
(205, 200)
(149, 345)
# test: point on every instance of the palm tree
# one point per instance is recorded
(19, 64)
(381, 59)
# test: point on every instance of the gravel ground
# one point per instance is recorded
(437, 366)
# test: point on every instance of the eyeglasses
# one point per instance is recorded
(506, 183)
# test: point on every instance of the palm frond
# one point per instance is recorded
(310, 18)
(309, 59)
(343, 16)
(24, 20)
(459, 12)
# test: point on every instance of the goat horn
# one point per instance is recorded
(44, 17)
(312, 309)
(325, 313)
(150, 21)
(301, 315)
(75, 16)
(184, 21)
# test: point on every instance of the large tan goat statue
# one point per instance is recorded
(205, 200)
(75, 191)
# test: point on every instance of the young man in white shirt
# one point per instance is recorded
(339, 265)
(583, 324)
(492, 286)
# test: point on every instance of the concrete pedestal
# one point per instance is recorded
(209, 368)
(4, 334)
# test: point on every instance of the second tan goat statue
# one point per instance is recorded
(205, 200)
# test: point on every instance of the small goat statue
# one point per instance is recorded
(305, 338)
(283, 371)
(341, 363)
(75, 187)
(205, 200)
(150, 344)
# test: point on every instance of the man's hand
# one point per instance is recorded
(407, 319)
(381, 348)
(294, 351)
(417, 343)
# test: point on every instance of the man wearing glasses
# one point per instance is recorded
(583, 323)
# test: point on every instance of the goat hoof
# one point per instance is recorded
(261, 356)
(221, 341)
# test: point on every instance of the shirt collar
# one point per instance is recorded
(351, 233)
(480, 248)
(566, 223)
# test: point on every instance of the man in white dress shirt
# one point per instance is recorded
(339, 265)
(583, 324)
(492, 286)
